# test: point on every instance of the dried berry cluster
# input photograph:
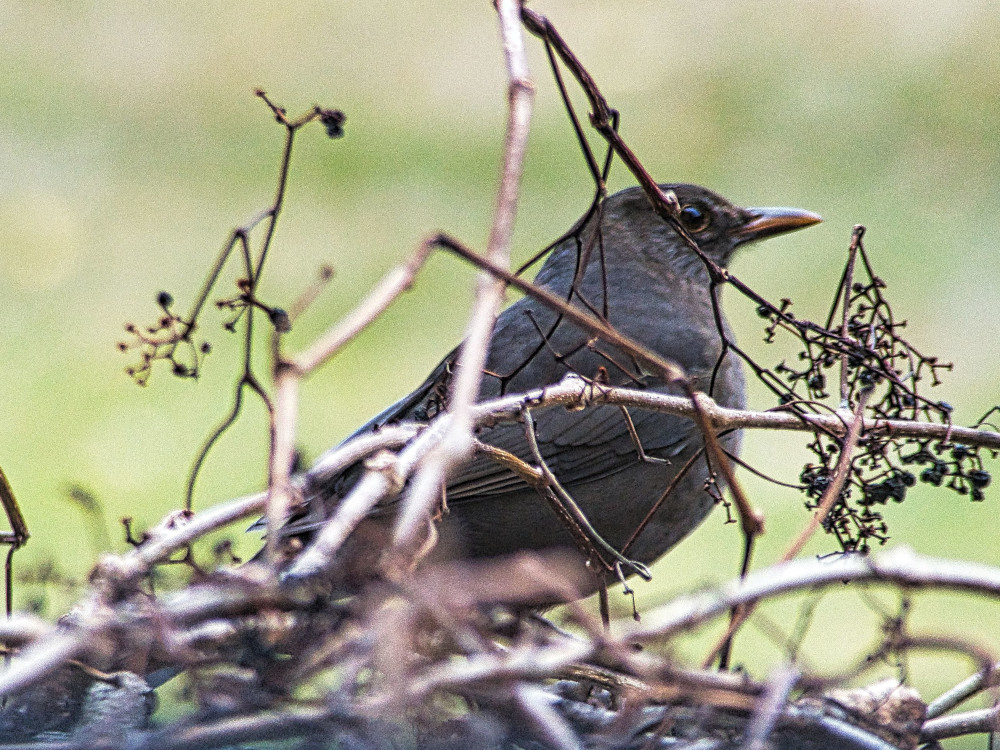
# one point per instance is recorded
(878, 367)
(162, 342)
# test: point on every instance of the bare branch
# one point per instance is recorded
(397, 281)
(457, 446)
(984, 720)
(900, 567)
(961, 692)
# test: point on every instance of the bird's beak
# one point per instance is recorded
(767, 222)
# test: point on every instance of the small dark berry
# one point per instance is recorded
(931, 476)
(164, 300)
(979, 478)
(875, 493)
(333, 120)
(897, 492)
(280, 320)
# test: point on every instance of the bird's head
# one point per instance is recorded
(717, 225)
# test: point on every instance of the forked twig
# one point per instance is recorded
(290, 369)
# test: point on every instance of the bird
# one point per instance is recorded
(626, 265)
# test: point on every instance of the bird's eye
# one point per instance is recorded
(694, 219)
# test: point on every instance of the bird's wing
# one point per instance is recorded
(578, 446)
(422, 405)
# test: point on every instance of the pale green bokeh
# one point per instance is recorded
(131, 143)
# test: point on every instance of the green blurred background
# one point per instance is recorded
(131, 143)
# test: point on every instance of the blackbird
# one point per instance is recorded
(626, 264)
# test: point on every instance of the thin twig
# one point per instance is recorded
(575, 392)
(17, 537)
(457, 446)
(289, 370)
(847, 283)
(572, 392)
(568, 506)
(394, 283)
(837, 480)
(769, 707)
(669, 371)
(383, 480)
(970, 722)
(284, 429)
(604, 120)
(961, 692)
(830, 497)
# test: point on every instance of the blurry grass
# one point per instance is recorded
(132, 144)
